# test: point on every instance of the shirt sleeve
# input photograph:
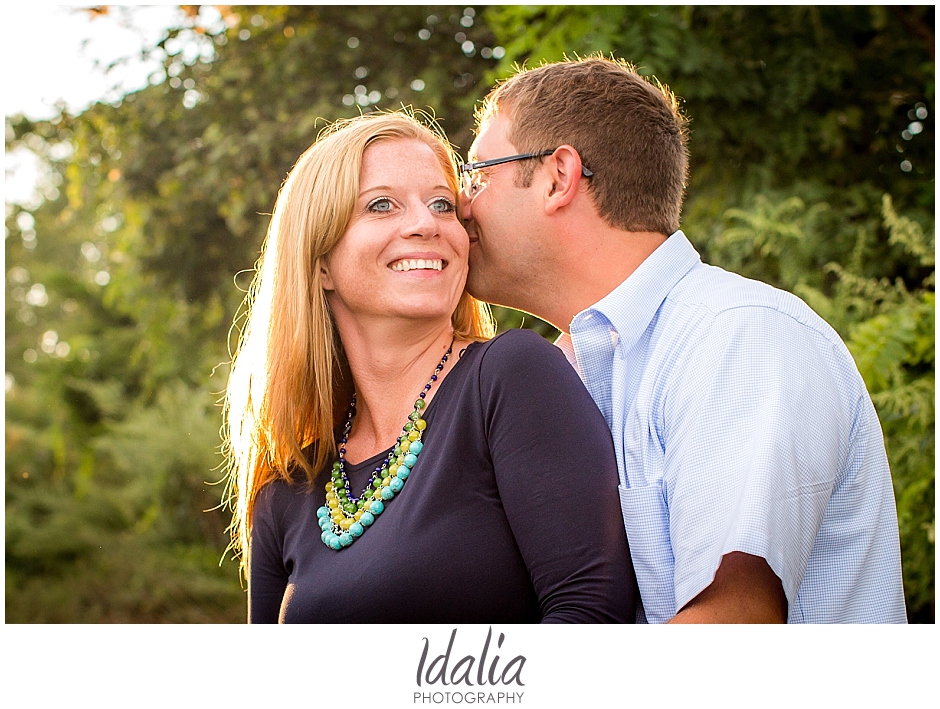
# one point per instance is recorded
(752, 437)
(557, 479)
(267, 576)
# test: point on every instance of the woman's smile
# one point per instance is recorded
(423, 265)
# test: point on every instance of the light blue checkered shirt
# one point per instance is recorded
(740, 423)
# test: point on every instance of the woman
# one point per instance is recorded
(389, 462)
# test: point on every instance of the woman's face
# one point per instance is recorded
(404, 254)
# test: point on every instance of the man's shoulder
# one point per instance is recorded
(720, 291)
(711, 295)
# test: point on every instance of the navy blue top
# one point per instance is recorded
(511, 513)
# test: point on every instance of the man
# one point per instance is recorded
(754, 483)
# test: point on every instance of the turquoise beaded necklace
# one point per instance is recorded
(344, 518)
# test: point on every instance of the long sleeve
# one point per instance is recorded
(267, 577)
(557, 478)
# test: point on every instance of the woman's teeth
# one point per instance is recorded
(411, 264)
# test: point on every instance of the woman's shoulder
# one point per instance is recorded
(524, 359)
(519, 350)
(278, 494)
(519, 343)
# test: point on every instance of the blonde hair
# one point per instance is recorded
(290, 381)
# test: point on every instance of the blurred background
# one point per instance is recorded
(129, 249)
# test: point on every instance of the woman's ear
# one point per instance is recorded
(326, 281)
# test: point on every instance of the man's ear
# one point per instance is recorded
(564, 173)
(326, 280)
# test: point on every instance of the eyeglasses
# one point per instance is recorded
(472, 181)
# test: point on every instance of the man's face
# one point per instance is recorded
(502, 221)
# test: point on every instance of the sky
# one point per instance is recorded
(55, 53)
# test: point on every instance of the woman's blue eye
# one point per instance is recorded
(443, 206)
(382, 204)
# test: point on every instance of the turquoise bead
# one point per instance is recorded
(345, 539)
(403, 472)
(416, 447)
(366, 519)
(326, 536)
(387, 493)
(396, 484)
(323, 512)
(356, 529)
(410, 460)
(326, 523)
(377, 507)
(333, 542)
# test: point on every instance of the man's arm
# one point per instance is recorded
(745, 590)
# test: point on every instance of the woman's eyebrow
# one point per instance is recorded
(387, 188)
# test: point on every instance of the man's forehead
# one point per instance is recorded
(492, 140)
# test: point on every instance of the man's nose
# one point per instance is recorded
(463, 207)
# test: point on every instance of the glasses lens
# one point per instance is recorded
(472, 182)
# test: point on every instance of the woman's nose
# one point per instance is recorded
(421, 222)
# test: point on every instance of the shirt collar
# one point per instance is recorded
(563, 342)
(631, 306)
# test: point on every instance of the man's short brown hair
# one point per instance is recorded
(628, 131)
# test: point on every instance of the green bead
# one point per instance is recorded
(350, 508)
(419, 404)
(409, 426)
(414, 415)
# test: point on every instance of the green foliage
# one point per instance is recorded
(894, 349)
(118, 527)
(122, 281)
(775, 93)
